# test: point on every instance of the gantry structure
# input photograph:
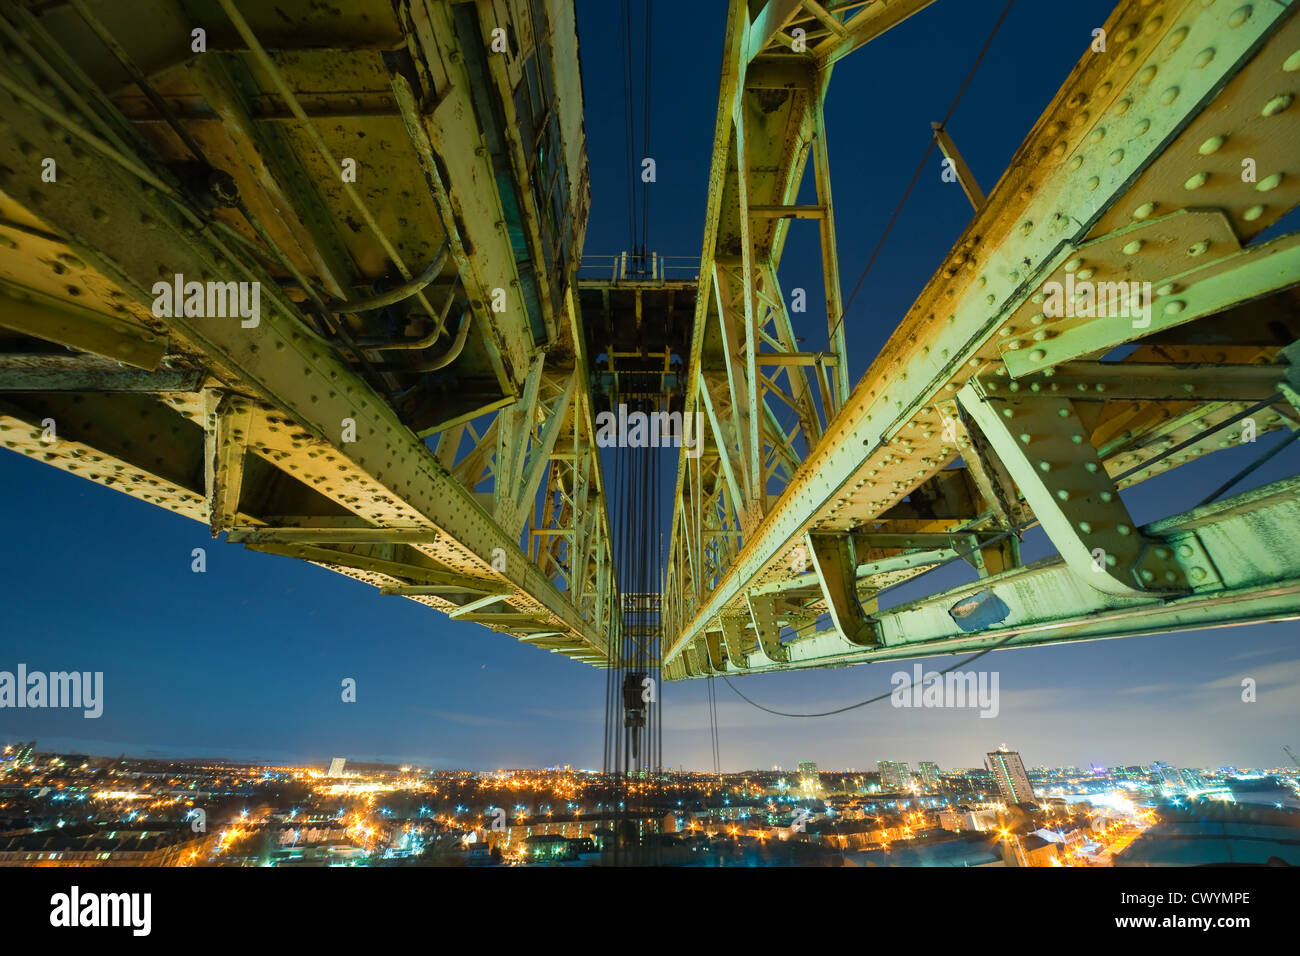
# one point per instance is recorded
(407, 185)
(991, 409)
(413, 403)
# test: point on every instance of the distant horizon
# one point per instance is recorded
(248, 658)
(249, 760)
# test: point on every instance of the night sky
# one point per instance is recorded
(246, 660)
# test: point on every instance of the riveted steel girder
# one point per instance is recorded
(1048, 602)
(298, 429)
(1043, 444)
(1136, 172)
(833, 557)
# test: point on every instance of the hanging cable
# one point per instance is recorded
(878, 697)
(629, 125)
(645, 136)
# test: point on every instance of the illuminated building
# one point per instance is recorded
(1035, 851)
(808, 777)
(894, 774)
(1009, 772)
(929, 774)
(1170, 779)
(23, 754)
(101, 846)
(336, 766)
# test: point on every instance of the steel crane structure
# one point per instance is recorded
(407, 187)
(992, 407)
(308, 274)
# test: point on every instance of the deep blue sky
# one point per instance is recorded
(246, 660)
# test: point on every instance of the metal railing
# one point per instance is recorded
(632, 267)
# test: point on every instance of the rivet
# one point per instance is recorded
(1169, 95)
(1144, 211)
(1240, 15)
(1277, 104)
(1270, 183)
(1253, 213)
(1085, 527)
(1174, 307)
(1147, 74)
(1212, 145)
(1063, 495)
(1199, 249)
(1204, 57)
(1133, 248)
(1197, 181)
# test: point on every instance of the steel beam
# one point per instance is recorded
(1050, 603)
(1133, 172)
(833, 558)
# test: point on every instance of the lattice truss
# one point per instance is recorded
(991, 409)
(411, 408)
